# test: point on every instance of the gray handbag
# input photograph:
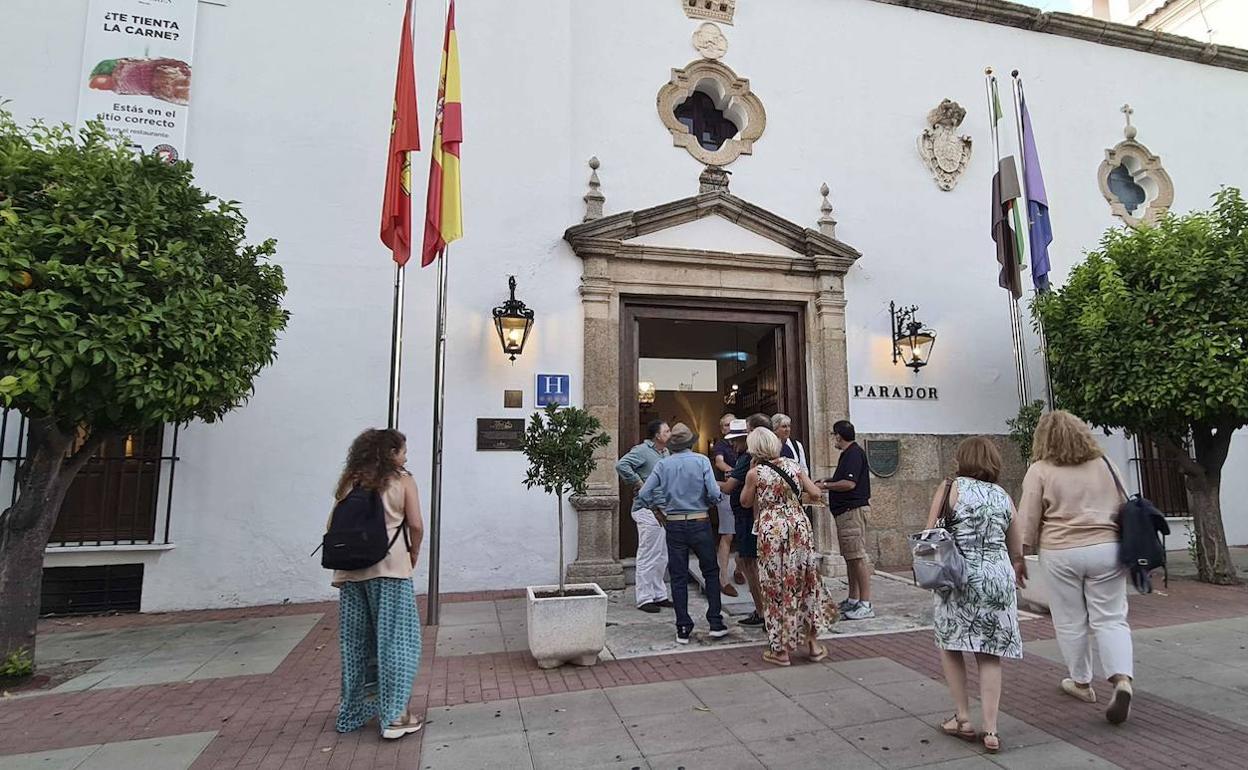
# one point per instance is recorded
(938, 561)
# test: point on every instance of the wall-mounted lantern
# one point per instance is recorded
(645, 393)
(513, 320)
(912, 342)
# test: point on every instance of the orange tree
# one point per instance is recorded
(128, 299)
(1150, 334)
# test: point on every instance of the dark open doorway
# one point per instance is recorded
(705, 358)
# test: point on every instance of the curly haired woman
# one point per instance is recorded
(377, 613)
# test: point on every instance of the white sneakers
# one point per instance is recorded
(1084, 693)
(858, 611)
(1120, 705)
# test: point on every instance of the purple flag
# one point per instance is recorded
(1040, 232)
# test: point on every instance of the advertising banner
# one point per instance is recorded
(136, 71)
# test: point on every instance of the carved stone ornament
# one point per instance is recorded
(709, 41)
(1133, 180)
(716, 10)
(944, 151)
(731, 94)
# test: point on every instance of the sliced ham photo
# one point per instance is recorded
(165, 79)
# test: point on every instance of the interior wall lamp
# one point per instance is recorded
(513, 320)
(912, 341)
(645, 393)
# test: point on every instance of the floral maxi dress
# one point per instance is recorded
(982, 617)
(788, 562)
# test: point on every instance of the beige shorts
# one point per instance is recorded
(851, 532)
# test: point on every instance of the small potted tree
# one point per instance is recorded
(567, 623)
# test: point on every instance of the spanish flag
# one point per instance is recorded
(396, 205)
(443, 209)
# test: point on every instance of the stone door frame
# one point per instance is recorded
(614, 267)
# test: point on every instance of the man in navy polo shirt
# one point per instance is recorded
(849, 498)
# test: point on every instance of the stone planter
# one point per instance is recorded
(567, 629)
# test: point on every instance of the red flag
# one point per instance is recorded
(396, 205)
(444, 220)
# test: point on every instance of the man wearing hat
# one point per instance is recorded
(680, 489)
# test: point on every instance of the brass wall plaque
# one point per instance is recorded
(498, 434)
(883, 456)
(513, 399)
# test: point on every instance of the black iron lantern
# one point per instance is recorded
(513, 320)
(912, 341)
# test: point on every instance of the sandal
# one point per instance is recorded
(405, 726)
(959, 728)
(992, 743)
(820, 653)
(774, 658)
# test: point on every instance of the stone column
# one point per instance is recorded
(831, 393)
(598, 511)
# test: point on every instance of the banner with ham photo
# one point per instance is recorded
(136, 71)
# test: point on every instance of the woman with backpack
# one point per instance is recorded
(982, 616)
(796, 608)
(1071, 497)
(377, 614)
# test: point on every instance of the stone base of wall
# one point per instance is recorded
(899, 503)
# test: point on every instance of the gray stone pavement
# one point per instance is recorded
(474, 628)
(869, 713)
(1203, 666)
(1181, 564)
(174, 653)
(174, 752)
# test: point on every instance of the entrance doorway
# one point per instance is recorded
(691, 360)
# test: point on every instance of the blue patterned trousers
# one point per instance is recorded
(378, 618)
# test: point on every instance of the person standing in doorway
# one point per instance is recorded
(377, 615)
(634, 468)
(782, 426)
(849, 498)
(1069, 508)
(747, 537)
(680, 490)
(723, 458)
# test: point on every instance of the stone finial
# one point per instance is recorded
(1129, 130)
(827, 223)
(713, 179)
(594, 198)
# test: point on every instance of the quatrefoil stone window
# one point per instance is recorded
(711, 112)
(1134, 182)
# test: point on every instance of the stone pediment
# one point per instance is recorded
(666, 228)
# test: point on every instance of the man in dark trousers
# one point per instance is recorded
(849, 498)
(747, 541)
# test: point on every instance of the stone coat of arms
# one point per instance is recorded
(944, 151)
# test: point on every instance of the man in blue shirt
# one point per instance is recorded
(680, 490)
(633, 469)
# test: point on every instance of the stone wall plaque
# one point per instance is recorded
(883, 456)
(500, 434)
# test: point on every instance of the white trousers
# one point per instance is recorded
(1088, 599)
(651, 558)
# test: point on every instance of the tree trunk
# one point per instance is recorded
(1213, 557)
(559, 498)
(25, 527)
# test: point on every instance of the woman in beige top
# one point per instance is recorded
(377, 615)
(1069, 511)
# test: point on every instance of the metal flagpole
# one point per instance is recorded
(435, 485)
(1016, 340)
(396, 346)
(1018, 122)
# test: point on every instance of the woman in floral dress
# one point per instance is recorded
(796, 607)
(982, 618)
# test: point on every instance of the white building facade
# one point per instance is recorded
(290, 113)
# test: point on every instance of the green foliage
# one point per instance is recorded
(560, 445)
(17, 664)
(1023, 428)
(128, 296)
(1151, 331)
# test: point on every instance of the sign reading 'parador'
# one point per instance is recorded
(898, 392)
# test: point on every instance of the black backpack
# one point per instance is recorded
(357, 532)
(1140, 528)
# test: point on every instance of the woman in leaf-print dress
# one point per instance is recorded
(796, 607)
(982, 618)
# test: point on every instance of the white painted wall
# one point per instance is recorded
(290, 116)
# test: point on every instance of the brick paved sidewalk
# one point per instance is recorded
(285, 719)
